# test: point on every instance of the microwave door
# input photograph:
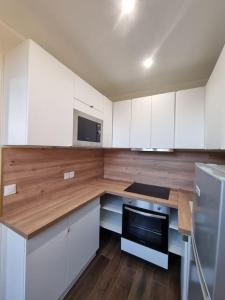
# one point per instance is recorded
(87, 130)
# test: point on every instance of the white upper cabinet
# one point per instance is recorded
(163, 115)
(215, 106)
(121, 124)
(87, 95)
(107, 123)
(38, 92)
(140, 132)
(189, 126)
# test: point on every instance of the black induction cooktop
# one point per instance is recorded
(149, 190)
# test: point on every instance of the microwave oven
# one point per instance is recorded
(87, 130)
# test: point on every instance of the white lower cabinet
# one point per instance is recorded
(45, 266)
(83, 238)
(46, 263)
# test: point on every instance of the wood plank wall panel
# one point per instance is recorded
(175, 169)
(40, 170)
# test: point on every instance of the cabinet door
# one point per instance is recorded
(189, 122)
(83, 238)
(163, 116)
(46, 267)
(140, 123)
(15, 95)
(107, 123)
(121, 124)
(50, 114)
(85, 93)
(215, 106)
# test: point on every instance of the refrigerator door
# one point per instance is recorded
(206, 216)
(197, 288)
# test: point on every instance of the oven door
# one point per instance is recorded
(145, 227)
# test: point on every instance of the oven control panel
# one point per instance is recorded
(147, 205)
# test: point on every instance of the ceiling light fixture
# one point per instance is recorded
(147, 63)
(128, 6)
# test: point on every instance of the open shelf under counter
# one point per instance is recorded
(173, 220)
(112, 203)
(175, 242)
(111, 221)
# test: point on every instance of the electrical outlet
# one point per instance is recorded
(9, 189)
(72, 174)
(66, 175)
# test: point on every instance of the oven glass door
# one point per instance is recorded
(88, 130)
(145, 227)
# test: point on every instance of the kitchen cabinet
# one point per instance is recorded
(121, 124)
(83, 238)
(215, 106)
(140, 133)
(45, 266)
(38, 93)
(87, 95)
(163, 115)
(46, 263)
(190, 118)
(107, 123)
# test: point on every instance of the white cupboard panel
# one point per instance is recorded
(215, 106)
(87, 94)
(107, 123)
(83, 238)
(77, 104)
(15, 95)
(190, 111)
(46, 274)
(50, 118)
(140, 132)
(121, 124)
(163, 117)
(13, 262)
(38, 93)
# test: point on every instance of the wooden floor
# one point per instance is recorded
(115, 275)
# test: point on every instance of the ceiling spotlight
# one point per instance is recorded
(128, 6)
(147, 63)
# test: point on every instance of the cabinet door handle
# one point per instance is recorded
(68, 230)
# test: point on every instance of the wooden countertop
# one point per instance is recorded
(32, 216)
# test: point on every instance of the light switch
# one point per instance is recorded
(9, 189)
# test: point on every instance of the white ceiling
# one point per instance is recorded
(185, 38)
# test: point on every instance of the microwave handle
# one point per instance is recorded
(145, 214)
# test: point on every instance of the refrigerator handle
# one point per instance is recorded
(203, 285)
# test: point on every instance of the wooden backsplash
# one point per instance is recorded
(37, 171)
(174, 169)
(40, 170)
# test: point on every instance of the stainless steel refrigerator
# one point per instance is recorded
(207, 263)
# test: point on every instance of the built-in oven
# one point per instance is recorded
(145, 227)
(87, 130)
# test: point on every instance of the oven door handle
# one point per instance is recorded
(145, 214)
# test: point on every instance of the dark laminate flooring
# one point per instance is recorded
(115, 275)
